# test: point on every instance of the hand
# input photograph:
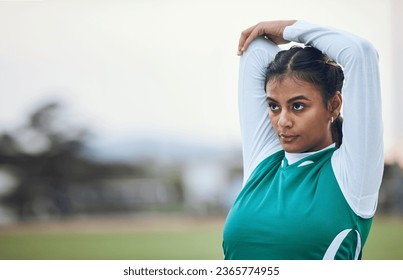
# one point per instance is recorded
(272, 29)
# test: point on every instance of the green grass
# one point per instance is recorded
(182, 241)
(385, 241)
(153, 245)
(158, 239)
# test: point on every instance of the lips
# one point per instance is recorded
(287, 137)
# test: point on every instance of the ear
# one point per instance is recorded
(334, 105)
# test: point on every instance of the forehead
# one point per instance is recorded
(289, 87)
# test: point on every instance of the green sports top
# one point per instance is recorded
(293, 211)
(316, 205)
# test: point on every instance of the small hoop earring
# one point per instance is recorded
(332, 120)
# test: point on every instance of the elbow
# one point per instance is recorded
(363, 50)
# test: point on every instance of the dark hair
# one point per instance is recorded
(310, 65)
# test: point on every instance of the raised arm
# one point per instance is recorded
(258, 137)
(358, 164)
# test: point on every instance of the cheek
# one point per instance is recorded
(315, 123)
(273, 120)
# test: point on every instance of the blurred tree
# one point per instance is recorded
(46, 158)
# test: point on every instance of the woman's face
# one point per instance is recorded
(298, 115)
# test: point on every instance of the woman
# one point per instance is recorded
(310, 182)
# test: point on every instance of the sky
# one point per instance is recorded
(155, 67)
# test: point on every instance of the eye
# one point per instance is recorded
(273, 106)
(298, 106)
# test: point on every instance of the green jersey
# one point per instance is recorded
(316, 205)
(293, 212)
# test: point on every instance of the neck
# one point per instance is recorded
(294, 157)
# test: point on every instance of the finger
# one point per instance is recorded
(244, 35)
(252, 36)
(242, 39)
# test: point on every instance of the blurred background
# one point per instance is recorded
(119, 134)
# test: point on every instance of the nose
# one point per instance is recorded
(284, 119)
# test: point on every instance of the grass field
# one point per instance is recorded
(152, 238)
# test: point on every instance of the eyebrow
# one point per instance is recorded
(291, 100)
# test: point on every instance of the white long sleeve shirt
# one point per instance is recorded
(358, 163)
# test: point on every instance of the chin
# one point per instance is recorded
(293, 148)
(294, 151)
